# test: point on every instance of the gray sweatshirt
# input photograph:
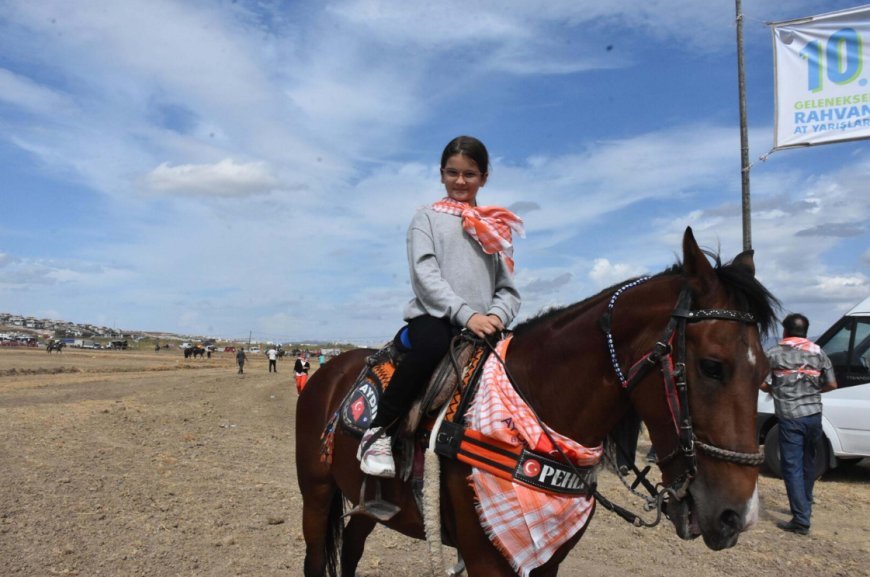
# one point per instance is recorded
(451, 275)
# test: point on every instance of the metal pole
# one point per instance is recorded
(744, 138)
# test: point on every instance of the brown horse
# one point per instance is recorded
(574, 371)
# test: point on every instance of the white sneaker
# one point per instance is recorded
(377, 459)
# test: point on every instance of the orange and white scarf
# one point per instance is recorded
(801, 344)
(526, 525)
(805, 345)
(490, 226)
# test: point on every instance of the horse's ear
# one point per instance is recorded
(699, 272)
(744, 260)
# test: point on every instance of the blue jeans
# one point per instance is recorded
(797, 455)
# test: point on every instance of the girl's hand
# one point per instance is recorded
(484, 325)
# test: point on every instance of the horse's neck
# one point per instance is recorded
(565, 367)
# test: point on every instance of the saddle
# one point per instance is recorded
(356, 412)
(462, 363)
(445, 402)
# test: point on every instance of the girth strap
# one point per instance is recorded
(513, 463)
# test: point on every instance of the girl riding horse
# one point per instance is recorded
(681, 348)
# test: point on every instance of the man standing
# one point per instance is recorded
(799, 372)
(240, 358)
(624, 437)
(273, 359)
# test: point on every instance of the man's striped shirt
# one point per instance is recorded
(799, 369)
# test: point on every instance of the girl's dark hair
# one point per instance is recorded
(470, 147)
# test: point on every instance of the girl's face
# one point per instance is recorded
(462, 179)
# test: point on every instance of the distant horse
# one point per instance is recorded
(575, 375)
(194, 352)
(55, 346)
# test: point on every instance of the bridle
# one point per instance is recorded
(669, 353)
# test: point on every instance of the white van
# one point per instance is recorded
(846, 410)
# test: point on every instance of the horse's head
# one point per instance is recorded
(702, 422)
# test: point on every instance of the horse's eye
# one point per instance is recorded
(713, 369)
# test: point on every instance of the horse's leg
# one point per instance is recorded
(353, 542)
(323, 503)
(322, 528)
(481, 557)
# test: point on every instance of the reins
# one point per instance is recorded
(632, 518)
(669, 354)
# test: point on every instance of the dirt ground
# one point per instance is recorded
(145, 464)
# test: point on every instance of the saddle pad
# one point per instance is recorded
(361, 405)
(525, 524)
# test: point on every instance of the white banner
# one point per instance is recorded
(822, 93)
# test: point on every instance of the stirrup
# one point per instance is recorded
(376, 508)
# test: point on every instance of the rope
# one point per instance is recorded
(432, 499)
(750, 459)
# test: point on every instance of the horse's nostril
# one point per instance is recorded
(731, 522)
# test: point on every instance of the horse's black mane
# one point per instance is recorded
(740, 283)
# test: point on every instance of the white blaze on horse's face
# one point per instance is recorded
(750, 356)
(751, 517)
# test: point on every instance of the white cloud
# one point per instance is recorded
(856, 284)
(578, 189)
(31, 96)
(516, 22)
(77, 276)
(6, 259)
(807, 273)
(604, 273)
(225, 178)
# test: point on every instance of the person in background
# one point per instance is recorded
(301, 368)
(241, 358)
(800, 372)
(461, 267)
(624, 437)
(272, 353)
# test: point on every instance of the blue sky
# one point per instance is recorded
(228, 168)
